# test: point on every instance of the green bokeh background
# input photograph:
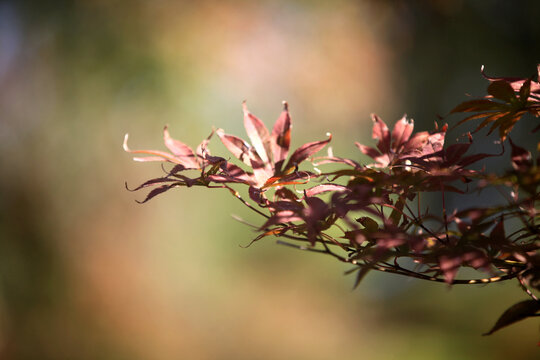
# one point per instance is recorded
(86, 273)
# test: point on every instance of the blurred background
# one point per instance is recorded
(87, 273)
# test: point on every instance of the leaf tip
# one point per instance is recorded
(285, 105)
(125, 145)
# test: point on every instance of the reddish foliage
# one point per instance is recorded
(376, 208)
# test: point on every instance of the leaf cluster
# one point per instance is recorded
(371, 215)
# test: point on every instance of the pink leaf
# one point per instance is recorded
(157, 155)
(281, 217)
(449, 266)
(477, 259)
(180, 150)
(417, 142)
(319, 189)
(236, 146)
(366, 150)
(202, 150)
(305, 151)
(258, 134)
(381, 133)
(150, 159)
(260, 169)
(236, 172)
(401, 133)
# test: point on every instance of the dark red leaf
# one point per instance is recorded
(521, 158)
(286, 205)
(525, 92)
(474, 117)
(156, 192)
(506, 127)
(497, 236)
(501, 90)
(477, 105)
(505, 124)
(176, 169)
(491, 117)
(471, 159)
(281, 217)
(515, 82)
(397, 212)
(285, 193)
(256, 195)
(454, 152)
(235, 171)
(361, 275)
(515, 313)
(150, 183)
